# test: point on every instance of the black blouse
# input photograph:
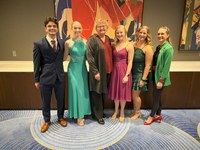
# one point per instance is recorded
(155, 57)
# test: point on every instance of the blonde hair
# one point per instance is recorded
(125, 36)
(101, 21)
(74, 23)
(148, 38)
(168, 33)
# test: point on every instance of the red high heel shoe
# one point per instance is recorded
(148, 123)
(158, 118)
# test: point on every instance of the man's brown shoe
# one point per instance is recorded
(45, 127)
(62, 122)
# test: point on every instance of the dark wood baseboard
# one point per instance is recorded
(17, 91)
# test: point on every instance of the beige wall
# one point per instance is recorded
(170, 13)
(22, 23)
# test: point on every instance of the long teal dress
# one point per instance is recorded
(138, 70)
(78, 96)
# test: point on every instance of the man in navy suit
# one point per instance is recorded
(49, 73)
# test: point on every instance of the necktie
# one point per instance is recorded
(53, 42)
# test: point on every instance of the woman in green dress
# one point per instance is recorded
(143, 56)
(78, 93)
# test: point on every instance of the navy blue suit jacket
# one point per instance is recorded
(48, 64)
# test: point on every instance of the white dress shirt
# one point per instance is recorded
(49, 40)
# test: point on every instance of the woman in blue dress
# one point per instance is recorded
(78, 93)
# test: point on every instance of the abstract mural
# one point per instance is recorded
(190, 36)
(116, 12)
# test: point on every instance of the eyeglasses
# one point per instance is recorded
(103, 26)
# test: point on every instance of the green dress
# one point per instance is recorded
(78, 96)
(138, 69)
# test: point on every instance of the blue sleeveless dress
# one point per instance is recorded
(78, 92)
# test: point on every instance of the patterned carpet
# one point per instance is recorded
(180, 129)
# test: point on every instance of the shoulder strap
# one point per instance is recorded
(143, 46)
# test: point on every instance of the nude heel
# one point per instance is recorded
(114, 116)
(136, 115)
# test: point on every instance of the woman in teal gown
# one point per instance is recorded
(78, 93)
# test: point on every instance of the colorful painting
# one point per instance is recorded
(116, 12)
(190, 36)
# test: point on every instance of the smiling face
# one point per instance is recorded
(162, 36)
(77, 29)
(142, 34)
(51, 28)
(120, 33)
(101, 29)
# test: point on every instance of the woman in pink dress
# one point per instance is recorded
(121, 77)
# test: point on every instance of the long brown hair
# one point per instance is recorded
(148, 38)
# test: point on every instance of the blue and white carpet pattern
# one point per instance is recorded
(179, 130)
(90, 136)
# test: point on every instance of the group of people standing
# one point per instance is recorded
(117, 70)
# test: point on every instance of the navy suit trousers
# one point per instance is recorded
(46, 94)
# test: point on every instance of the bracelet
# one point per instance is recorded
(143, 80)
(127, 75)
